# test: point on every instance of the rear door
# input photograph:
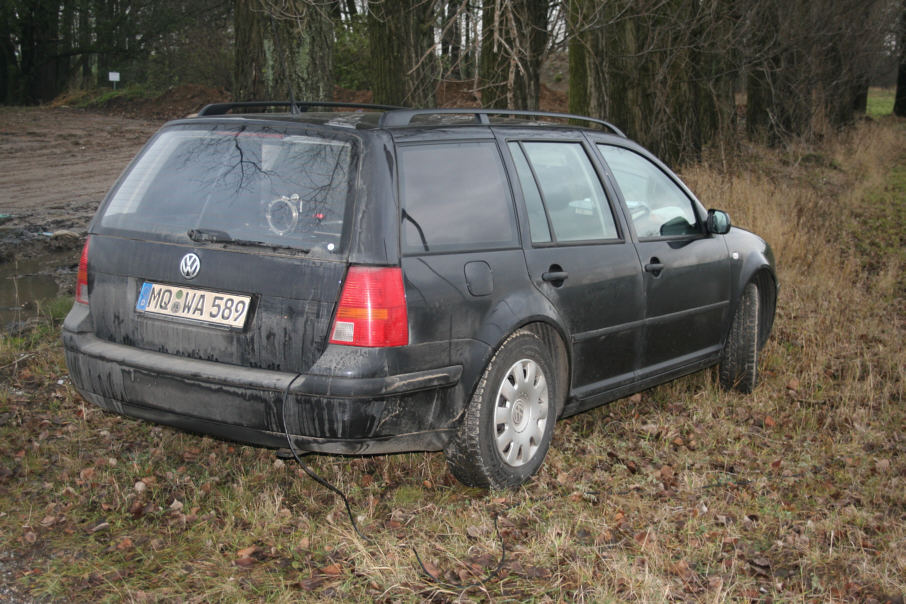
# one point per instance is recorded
(578, 256)
(686, 271)
(226, 242)
(459, 240)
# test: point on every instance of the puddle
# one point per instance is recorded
(26, 284)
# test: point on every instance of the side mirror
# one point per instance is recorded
(718, 222)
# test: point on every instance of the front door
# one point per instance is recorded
(686, 270)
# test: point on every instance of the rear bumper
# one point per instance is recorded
(325, 413)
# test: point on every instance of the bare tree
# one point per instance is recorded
(514, 39)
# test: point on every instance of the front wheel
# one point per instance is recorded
(739, 358)
(508, 424)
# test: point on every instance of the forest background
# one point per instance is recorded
(675, 75)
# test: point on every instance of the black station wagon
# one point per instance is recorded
(381, 280)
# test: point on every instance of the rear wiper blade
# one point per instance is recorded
(215, 236)
(212, 235)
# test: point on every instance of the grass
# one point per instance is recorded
(880, 101)
(94, 98)
(794, 493)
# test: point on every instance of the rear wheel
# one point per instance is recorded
(739, 358)
(508, 424)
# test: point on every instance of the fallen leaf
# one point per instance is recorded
(769, 422)
(140, 486)
(432, 570)
(176, 505)
(30, 536)
(124, 544)
(102, 526)
(331, 569)
(311, 583)
(245, 562)
(537, 572)
(793, 385)
(667, 475)
(682, 570)
(246, 552)
(882, 465)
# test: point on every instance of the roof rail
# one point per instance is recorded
(403, 117)
(293, 106)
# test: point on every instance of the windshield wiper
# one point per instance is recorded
(215, 236)
(212, 235)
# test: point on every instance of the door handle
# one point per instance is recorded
(554, 276)
(654, 266)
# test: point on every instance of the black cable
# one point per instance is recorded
(493, 574)
(292, 448)
(309, 471)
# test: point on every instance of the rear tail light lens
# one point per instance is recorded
(81, 290)
(372, 310)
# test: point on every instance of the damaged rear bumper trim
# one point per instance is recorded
(427, 440)
(259, 379)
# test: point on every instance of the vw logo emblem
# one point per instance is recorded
(189, 265)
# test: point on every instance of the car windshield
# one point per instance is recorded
(260, 186)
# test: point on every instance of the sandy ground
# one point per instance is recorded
(56, 165)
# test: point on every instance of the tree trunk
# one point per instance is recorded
(899, 103)
(578, 70)
(514, 37)
(249, 82)
(283, 50)
(404, 67)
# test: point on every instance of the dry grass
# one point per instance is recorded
(684, 492)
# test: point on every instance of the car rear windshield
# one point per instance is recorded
(246, 186)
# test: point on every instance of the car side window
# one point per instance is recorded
(657, 206)
(570, 189)
(454, 196)
(534, 206)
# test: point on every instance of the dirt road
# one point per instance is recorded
(56, 165)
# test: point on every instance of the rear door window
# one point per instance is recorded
(454, 196)
(254, 186)
(560, 176)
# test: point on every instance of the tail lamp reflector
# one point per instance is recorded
(81, 290)
(372, 310)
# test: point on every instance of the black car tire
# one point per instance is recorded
(739, 358)
(515, 403)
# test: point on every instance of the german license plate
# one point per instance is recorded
(216, 308)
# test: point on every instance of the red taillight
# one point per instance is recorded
(372, 309)
(81, 288)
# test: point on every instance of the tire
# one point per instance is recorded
(739, 358)
(508, 425)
